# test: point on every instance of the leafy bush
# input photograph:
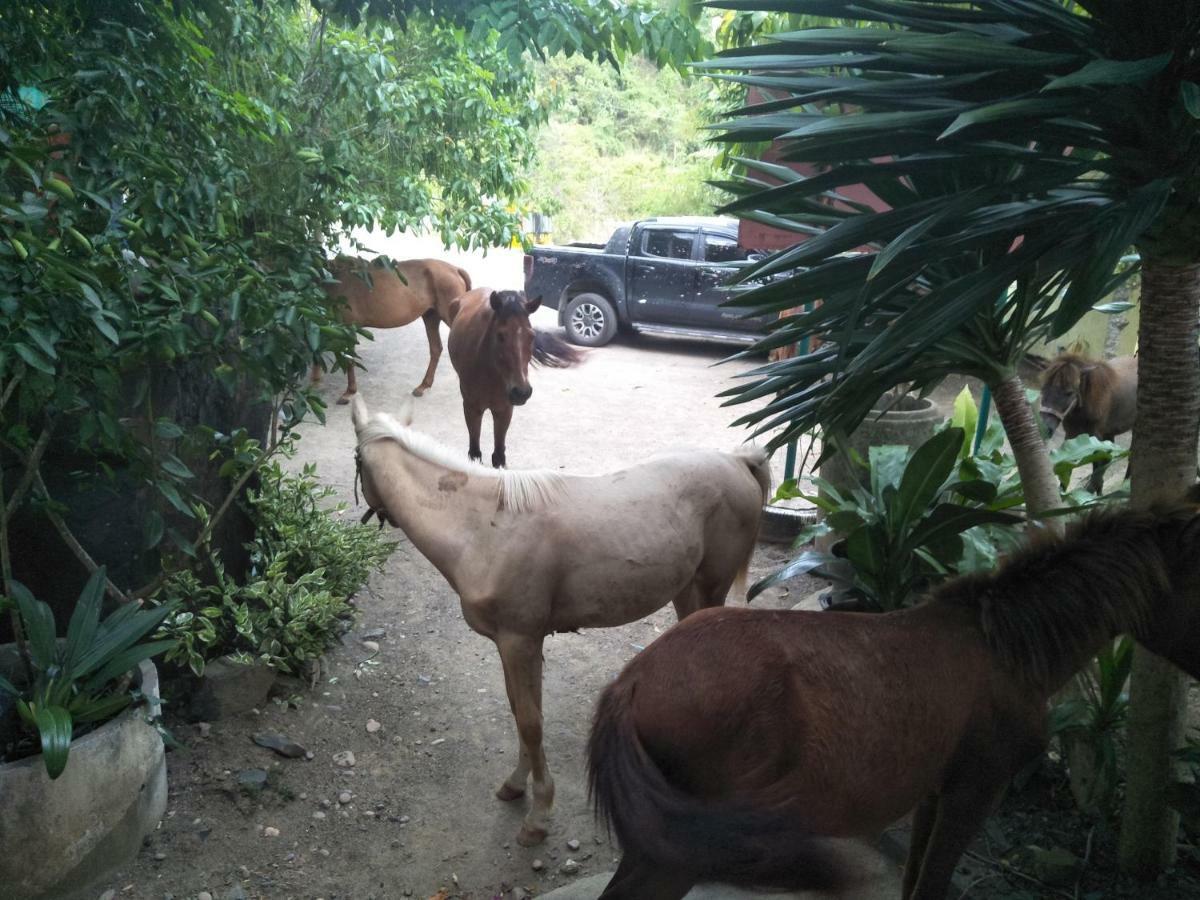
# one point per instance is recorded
(928, 514)
(82, 680)
(305, 564)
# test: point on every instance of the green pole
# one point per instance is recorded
(985, 409)
(789, 461)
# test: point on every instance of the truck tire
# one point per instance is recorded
(590, 319)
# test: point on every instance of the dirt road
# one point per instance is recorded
(420, 815)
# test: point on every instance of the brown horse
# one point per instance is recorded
(382, 294)
(532, 553)
(739, 740)
(491, 346)
(1090, 396)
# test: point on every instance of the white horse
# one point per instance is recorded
(534, 552)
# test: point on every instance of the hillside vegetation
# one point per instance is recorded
(621, 145)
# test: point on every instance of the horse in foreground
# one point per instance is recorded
(740, 739)
(491, 346)
(1090, 396)
(534, 552)
(381, 294)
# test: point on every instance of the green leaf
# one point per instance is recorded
(950, 518)
(8, 687)
(966, 417)
(1112, 71)
(33, 358)
(925, 474)
(1190, 92)
(118, 632)
(85, 620)
(55, 729)
(125, 661)
(1030, 107)
(152, 530)
(40, 630)
(803, 563)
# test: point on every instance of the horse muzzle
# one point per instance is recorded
(518, 395)
(1051, 420)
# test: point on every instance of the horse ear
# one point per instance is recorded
(358, 412)
(495, 301)
(405, 414)
(531, 305)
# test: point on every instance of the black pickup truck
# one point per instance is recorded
(662, 276)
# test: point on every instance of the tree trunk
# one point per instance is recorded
(1029, 450)
(1162, 465)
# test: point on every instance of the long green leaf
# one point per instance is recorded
(802, 564)
(55, 729)
(1112, 71)
(84, 620)
(118, 632)
(125, 661)
(950, 518)
(40, 630)
(8, 687)
(925, 474)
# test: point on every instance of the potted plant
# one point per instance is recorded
(83, 772)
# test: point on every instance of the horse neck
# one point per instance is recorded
(442, 511)
(1054, 606)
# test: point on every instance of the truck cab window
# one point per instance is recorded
(721, 249)
(667, 244)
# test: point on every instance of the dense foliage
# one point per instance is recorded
(621, 145)
(306, 564)
(172, 178)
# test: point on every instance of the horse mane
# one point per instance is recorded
(1067, 372)
(1057, 599)
(518, 490)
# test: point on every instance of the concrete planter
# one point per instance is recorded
(910, 421)
(58, 837)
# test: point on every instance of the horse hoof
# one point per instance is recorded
(343, 400)
(419, 390)
(530, 837)
(508, 793)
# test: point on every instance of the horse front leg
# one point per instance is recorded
(522, 661)
(922, 825)
(1095, 484)
(432, 323)
(961, 812)
(474, 416)
(351, 385)
(501, 417)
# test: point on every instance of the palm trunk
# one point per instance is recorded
(1029, 450)
(1162, 465)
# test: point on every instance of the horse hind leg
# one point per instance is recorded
(432, 323)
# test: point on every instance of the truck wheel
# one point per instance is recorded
(591, 320)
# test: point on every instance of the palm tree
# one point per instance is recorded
(1025, 146)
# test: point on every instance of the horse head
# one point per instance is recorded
(1063, 381)
(510, 341)
(367, 429)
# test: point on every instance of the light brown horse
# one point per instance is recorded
(737, 741)
(491, 346)
(382, 294)
(1090, 396)
(534, 552)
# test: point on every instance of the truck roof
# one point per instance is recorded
(691, 221)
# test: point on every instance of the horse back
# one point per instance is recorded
(379, 296)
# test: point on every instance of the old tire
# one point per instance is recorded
(590, 320)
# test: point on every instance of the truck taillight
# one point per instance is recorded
(528, 265)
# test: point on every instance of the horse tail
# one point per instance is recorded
(760, 467)
(711, 840)
(551, 350)
(466, 279)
